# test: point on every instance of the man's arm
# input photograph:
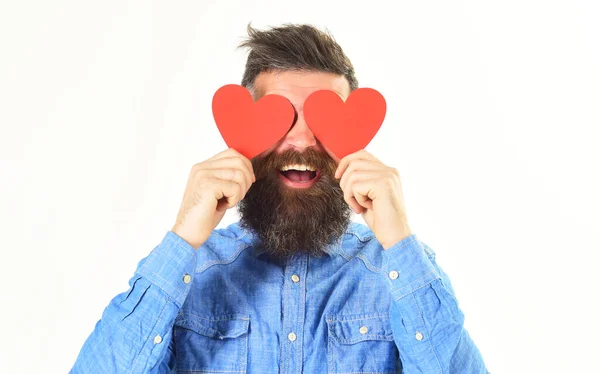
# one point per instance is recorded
(427, 323)
(134, 334)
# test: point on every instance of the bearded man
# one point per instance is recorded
(295, 286)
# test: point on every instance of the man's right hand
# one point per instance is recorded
(214, 186)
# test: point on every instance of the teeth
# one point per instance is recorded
(297, 167)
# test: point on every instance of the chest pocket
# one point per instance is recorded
(361, 344)
(211, 344)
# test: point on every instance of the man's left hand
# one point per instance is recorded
(375, 191)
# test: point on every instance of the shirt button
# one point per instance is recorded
(393, 274)
(292, 336)
(295, 278)
(363, 330)
(187, 279)
(419, 336)
(157, 339)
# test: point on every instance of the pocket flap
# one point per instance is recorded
(350, 329)
(218, 327)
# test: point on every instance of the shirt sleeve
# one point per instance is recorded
(427, 323)
(134, 334)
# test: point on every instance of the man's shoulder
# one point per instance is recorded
(359, 231)
(359, 241)
(232, 235)
(224, 244)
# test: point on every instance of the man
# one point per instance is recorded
(295, 286)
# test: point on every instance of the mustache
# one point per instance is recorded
(310, 156)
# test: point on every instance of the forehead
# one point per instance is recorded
(297, 86)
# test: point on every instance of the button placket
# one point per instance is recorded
(294, 295)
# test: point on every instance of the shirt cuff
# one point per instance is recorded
(171, 267)
(406, 267)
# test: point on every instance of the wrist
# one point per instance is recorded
(402, 234)
(189, 238)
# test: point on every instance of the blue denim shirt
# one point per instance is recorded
(226, 308)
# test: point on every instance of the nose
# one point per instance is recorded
(300, 136)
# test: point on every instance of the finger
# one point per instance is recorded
(229, 164)
(228, 175)
(232, 163)
(360, 175)
(362, 154)
(351, 201)
(363, 201)
(359, 184)
(229, 152)
(359, 166)
(232, 153)
(228, 194)
(363, 192)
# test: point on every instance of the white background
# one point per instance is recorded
(493, 111)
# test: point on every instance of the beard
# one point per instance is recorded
(289, 220)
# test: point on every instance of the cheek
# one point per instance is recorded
(274, 149)
(277, 148)
(268, 151)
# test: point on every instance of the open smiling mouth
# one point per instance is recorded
(299, 176)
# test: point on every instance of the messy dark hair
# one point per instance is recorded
(296, 48)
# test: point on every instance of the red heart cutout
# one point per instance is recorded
(345, 128)
(248, 127)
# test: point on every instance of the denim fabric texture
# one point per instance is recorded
(226, 308)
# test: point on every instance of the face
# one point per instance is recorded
(296, 87)
(296, 205)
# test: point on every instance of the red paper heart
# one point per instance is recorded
(345, 128)
(248, 127)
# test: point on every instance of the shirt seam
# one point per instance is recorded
(362, 239)
(210, 263)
